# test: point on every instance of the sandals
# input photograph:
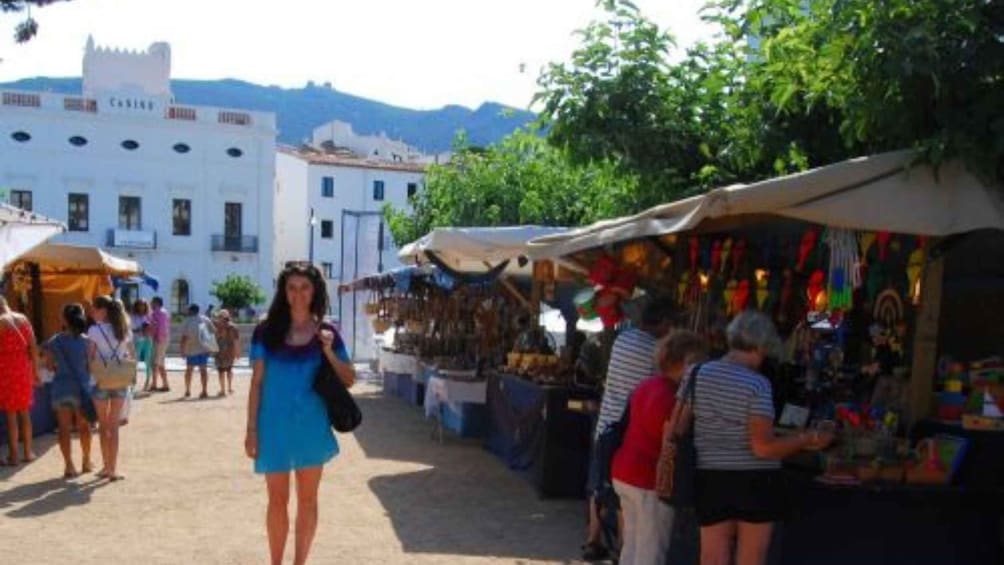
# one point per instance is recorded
(70, 474)
(204, 396)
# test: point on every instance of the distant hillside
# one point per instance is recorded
(299, 110)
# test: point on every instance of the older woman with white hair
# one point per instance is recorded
(738, 487)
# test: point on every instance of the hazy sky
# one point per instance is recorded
(414, 53)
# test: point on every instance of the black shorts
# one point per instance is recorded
(746, 496)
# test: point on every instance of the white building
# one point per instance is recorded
(187, 191)
(345, 195)
(336, 135)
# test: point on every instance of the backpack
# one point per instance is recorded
(207, 339)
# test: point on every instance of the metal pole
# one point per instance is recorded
(355, 273)
(310, 252)
(341, 268)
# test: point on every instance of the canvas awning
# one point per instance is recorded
(61, 258)
(475, 249)
(20, 231)
(876, 193)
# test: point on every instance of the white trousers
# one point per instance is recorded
(648, 526)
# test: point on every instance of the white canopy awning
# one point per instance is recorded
(21, 231)
(876, 193)
(470, 249)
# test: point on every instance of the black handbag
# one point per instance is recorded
(677, 463)
(343, 412)
(607, 444)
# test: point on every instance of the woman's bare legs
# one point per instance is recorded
(12, 437)
(754, 543)
(84, 431)
(277, 516)
(307, 483)
(230, 381)
(27, 435)
(716, 543)
(64, 417)
(108, 422)
(223, 382)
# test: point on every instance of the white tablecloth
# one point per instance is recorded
(391, 362)
(444, 391)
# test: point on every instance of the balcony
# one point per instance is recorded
(181, 113)
(76, 104)
(23, 99)
(234, 118)
(132, 239)
(237, 244)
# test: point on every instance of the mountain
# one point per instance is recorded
(300, 110)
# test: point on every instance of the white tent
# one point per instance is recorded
(475, 249)
(21, 231)
(880, 192)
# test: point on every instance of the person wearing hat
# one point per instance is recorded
(228, 338)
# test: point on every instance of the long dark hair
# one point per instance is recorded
(277, 322)
(74, 318)
(116, 315)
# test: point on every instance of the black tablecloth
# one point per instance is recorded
(892, 524)
(531, 429)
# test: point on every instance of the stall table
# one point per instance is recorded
(890, 524)
(458, 405)
(400, 371)
(533, 430)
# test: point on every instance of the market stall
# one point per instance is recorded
(20, 232)
(853, 261)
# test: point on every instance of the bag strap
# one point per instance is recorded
(115, 350)
(689, 395)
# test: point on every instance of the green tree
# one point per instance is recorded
(28, 27)
(237, 291)
(520, 180)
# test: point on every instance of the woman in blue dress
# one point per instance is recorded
(287, 426)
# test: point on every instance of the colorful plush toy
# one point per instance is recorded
(742, 297)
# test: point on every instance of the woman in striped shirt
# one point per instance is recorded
(738, 485)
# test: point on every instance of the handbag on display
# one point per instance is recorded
(677, 463)
(343, 412)
(114, 373)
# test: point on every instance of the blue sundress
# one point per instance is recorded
(293, 427)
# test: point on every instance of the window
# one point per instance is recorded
(21, 199)
(232, 227)
(181, 213)
(179, 296)
(182, 148)
(412, 189)
(78, 212)
(378, 190)
(327, 229)
(20, 136)
(130, 145)
(328, 187)
(130, 216)
(234, 152)
(327, 269)
(78, 141)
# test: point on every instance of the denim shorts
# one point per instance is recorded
(200, 360)
(98, 394)
(71, 401)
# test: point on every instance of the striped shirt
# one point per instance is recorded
(632, 360)
(724, 399)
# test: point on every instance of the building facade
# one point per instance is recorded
(329, 210)
(187, 191)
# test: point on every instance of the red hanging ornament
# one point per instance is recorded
(816, 282)
(741, 298)
(883, 238)
(805, 248)
(603, 272)
(695, 251)
(738, 254)
(716, 256)
(785, 295)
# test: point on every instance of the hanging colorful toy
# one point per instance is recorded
(738, 254)
(741, 298)
(726, 250)
(805, 248)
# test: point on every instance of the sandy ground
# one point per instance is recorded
(394, 495)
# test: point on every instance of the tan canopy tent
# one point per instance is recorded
(476, 249)
(877, 193)
(52, 275)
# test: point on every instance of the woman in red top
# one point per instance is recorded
(648, 522)
(17, 378)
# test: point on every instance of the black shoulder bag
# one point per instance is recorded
(343, 412)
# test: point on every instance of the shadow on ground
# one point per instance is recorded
(511, 522)
(40, 445)
(47, 497)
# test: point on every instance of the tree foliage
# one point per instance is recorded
(28, 27)
(237, 291)
(786, 85)
(520, 180)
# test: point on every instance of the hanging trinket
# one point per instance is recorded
(762, 291)
(914, 268)
(729, 294)
(883, 238)
(726, 251)
(806, 247)
(716, 255)
(742, 296)
(738, 254)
